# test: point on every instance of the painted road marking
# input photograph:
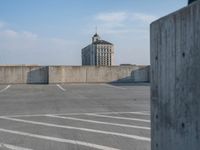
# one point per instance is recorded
(100, 122)
(123, 118)
(7, 87)
(60, 87)
(112, 86)
(13, 147)
(75, 142)
(135, 137)
(74, 114)
(137, 113)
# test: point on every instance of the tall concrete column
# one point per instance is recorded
(175, 77)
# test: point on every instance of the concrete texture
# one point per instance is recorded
(23, 74)
(64, 74)
(175, 104)
(71, 74)
(141, 75)
(74, 102)
(83, 74)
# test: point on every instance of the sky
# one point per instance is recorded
(53, 32)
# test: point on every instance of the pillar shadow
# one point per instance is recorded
(38, 75)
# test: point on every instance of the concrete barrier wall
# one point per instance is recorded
(70, 74)
(141, 75)
(110, 74)
(23, 74)
(86, 74)
(67, 74)
(175, 73)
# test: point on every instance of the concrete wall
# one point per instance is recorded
(86, 74)
(71, 74)
(141, 75)
(64, 74)
(175, 92)
(23, 74)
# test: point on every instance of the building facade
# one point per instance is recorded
(99, 53)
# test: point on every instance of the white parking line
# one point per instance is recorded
(137, 113)
(112, 86)
(123, 118)
(100, 122)
(7, 87)
(136, 137)
(75, 142)
(13, 147)
(60, 87)
(74, 114)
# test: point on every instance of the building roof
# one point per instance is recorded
(102, 42)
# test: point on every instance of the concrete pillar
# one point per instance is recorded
(175, 77)
(191, 1)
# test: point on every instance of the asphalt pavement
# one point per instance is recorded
(75, 117)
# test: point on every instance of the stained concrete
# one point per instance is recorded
(175, 92)
(23, 74)
(90, 74)
(67, 74)
(71, 74)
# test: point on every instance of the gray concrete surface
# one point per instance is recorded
(175, 55)
(23, 74)
(90, 74)
(75, 116)
(70, 74)
(141, 75)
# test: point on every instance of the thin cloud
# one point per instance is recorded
(29, 35)
(13, 40)
(124, 16)
(123, 22)
(112, 16)
(143, 17)
(2, 24)
(24, 46)
(8, 33)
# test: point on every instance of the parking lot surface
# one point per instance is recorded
(75, 117)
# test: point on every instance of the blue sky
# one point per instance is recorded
(49, 32)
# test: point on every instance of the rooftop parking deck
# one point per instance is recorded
(75, 116)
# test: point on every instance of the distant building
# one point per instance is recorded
(99, 53)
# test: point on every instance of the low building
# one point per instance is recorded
(99, 53)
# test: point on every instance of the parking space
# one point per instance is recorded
(93, 116)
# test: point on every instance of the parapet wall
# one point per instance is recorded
(141, 75)
(23, 74)
(86, 74)
(68, 74)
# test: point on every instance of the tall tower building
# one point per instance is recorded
(99, 53)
